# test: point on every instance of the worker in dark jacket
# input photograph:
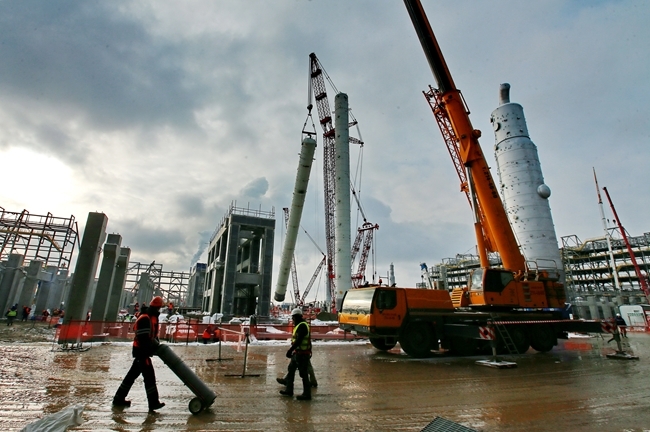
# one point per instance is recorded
(621, 324)
(299, 353)
(144, 346)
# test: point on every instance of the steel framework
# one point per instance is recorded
(46, 238)
(172, 285)
(317, 87)
(588, 268)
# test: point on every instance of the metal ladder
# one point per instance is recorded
(504, 336)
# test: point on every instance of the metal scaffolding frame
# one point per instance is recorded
(454, 272)
(45, 238)
(588, 267)
(172, 285)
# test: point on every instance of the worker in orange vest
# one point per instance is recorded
(207, 334)
(144, 346)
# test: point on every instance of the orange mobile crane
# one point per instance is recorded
(514, 305)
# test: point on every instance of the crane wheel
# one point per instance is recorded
(415, 339)
(542, 338)
(463, 346)
(383, 344)
(520, 338)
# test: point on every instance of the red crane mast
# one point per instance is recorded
(317, 82)
(637, 269)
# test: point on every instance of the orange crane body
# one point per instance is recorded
(507, 309)
(492, 227)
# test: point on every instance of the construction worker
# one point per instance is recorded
(299, 353)
(621, 324)
(11, 315)
(312, 377)
(144, 345)
(207, 334)
(26, 311)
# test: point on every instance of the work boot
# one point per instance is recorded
(156, 406)
(286, 393)
(281, 381)
(121, 403)
(304, 397)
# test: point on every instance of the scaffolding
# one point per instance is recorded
(171, 285)
(587, 266)
(44, 238)
(589, 270)
(454, 272)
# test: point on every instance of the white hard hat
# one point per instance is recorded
(296, 311)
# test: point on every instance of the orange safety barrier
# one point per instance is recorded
(190, 331)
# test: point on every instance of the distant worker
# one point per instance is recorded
(26, 311)
(170, 308)
(207, 334)
(136, 308)
(621, 324)
(299, 353)
(11, 315)
(144, 346)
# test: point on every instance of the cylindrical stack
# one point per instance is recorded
(524, 193)
(342, 234)
(295, 213)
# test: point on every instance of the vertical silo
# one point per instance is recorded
(525, 195)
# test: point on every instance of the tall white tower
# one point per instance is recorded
(525, 196)
(342, 231)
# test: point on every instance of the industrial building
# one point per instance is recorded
(591, 282)
(240, 264)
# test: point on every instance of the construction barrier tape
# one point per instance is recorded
(535, 322)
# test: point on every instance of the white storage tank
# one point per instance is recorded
(525, 195)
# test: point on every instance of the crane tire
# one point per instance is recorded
(463, 346)
(383, 344)
(520, 338)
(415, 339)
(542, 338)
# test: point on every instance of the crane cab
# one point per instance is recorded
(500, 287)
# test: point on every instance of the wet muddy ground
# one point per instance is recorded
(573, 388)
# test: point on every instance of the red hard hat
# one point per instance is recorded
(157, 301)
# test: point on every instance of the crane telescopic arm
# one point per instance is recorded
(490, 218)
(642, 279)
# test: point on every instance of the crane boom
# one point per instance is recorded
(637, 269)
(491, 221)
(325, 117)
(515, 285)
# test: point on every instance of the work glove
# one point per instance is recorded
(289, 353)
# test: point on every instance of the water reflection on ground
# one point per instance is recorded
(575, 387)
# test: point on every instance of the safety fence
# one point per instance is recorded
(190, 331)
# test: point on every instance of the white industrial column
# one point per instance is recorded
(295, 213)
(525, 196)
(342, 241)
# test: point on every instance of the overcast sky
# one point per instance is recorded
(162, 113)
